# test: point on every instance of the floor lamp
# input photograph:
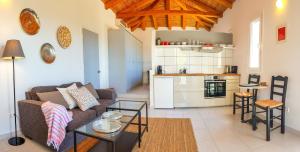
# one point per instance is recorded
(12, 51)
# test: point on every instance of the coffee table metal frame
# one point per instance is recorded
(112, 141)
(139, 112)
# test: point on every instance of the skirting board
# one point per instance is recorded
(294, 131)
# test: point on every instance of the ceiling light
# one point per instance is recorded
(279, 4)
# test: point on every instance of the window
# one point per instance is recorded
(255, 30)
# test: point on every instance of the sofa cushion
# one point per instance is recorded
(80, 118)
(78, 84)
(53, 96)
(102, 107)
(67, 96)
(84, 98)
(91, 88)
(31, 95)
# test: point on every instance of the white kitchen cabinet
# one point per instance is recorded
(163, 92)
(188, 91)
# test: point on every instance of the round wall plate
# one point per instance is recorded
(48, 53)
(64, 37)
(29, 21)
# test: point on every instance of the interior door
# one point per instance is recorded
(91, 58)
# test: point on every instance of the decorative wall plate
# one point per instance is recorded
(64, 37)
(48, 53)
(29, 21)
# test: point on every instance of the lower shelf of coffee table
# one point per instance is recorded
(125, 143)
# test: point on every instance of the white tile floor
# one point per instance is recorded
(215, 129)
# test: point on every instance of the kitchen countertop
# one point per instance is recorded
(195, 74)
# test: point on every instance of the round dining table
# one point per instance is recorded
(254, 88)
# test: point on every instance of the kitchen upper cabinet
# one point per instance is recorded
(125, 60)
(163, 92)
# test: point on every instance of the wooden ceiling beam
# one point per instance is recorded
(141, 19)
(143, 25)
(133, 28)
(198, 5)
(210, 20)
(168, 7)
(225, 3)
(135, 6)
(197, 25)
(154, 22)
(130, 20)
(183, 21)
(205, 22)
(111, 3)
(135, 21)
(164, 12)
(198, 20)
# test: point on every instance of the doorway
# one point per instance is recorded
(91, 57)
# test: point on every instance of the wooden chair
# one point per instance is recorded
(271, 104)
(244, 96)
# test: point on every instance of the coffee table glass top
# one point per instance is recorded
(127, 105)
(88, 130)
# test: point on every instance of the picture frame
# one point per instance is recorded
(281, 35)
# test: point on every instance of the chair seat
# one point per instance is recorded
(244, 94)
(268, 103)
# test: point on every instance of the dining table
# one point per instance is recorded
(254, 88)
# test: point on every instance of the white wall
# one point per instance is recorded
(68, 66)
(277, 58)
(148, 39)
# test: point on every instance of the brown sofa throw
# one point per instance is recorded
(68, 98)
(84, 98)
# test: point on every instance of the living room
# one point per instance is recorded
(149, 75)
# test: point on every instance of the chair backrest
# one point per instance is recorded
(279, 87)
(253, 79)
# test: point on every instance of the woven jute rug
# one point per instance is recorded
(165, 135)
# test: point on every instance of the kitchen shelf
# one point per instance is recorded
(200, 48)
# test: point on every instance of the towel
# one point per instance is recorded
(57, 118)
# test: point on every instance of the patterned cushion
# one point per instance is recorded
(69, 99)
(90, 87)
(84, 98)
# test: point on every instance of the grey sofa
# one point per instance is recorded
(32, 120)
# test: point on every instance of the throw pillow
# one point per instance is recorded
(54, 97)
(84, 98)
(91, 88)
(68, 98)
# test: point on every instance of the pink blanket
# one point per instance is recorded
(57, 118)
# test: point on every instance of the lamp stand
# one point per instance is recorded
(15, 141)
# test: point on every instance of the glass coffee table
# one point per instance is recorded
(120, 140)
(133, 106)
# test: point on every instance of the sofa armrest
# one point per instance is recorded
(32, 120)
(107, 94)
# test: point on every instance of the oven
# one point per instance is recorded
(214, 87)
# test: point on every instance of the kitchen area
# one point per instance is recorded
(192, 69)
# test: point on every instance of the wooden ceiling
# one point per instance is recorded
(169, 13)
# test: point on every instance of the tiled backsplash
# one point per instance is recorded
(173, 59)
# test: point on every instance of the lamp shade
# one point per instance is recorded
(13, 49)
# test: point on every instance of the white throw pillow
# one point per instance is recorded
(67, 96)
(84, 98)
